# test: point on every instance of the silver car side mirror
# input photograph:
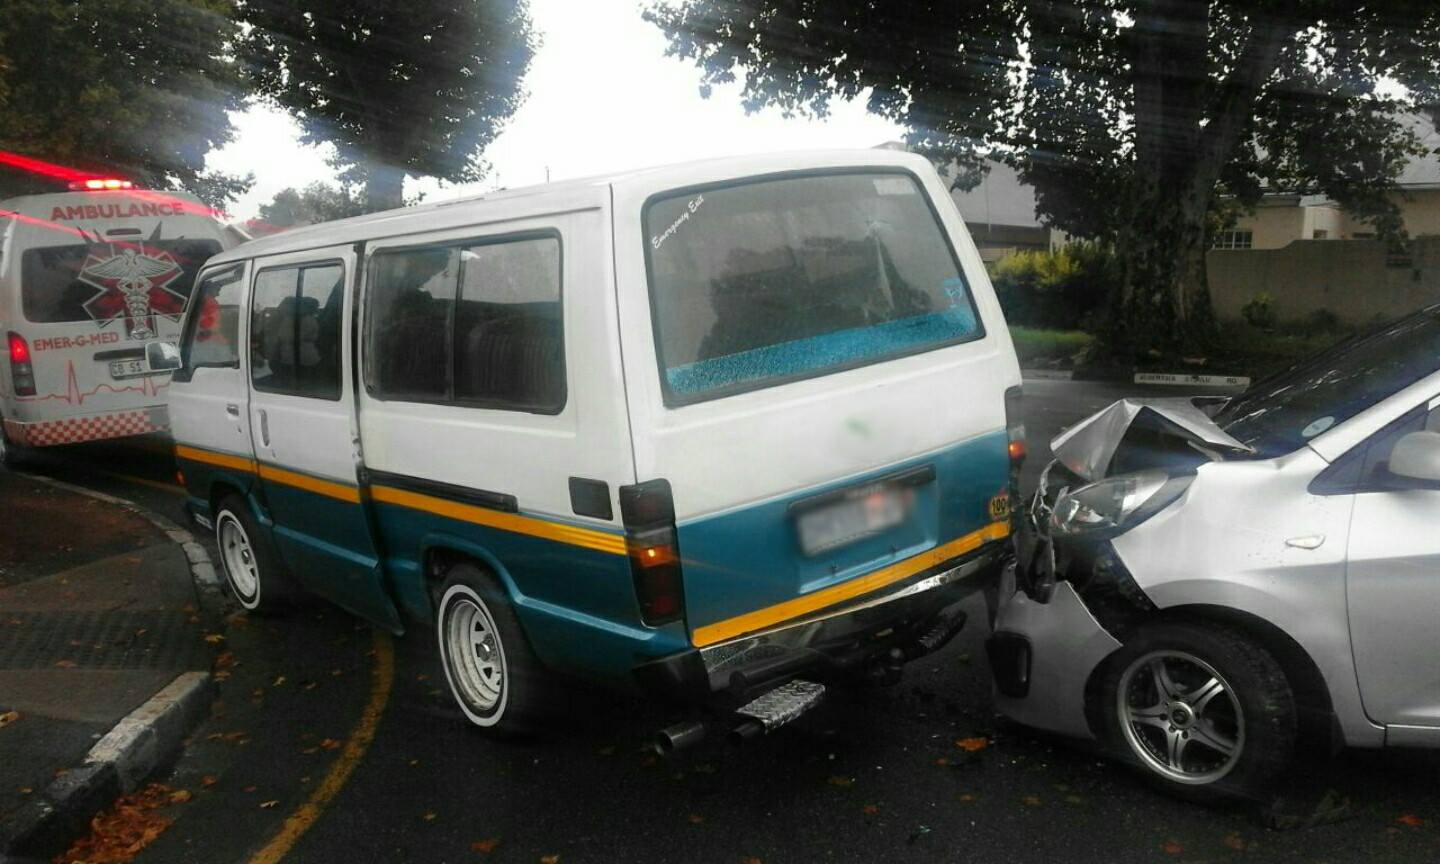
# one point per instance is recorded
(162, 356)
(1416, 456)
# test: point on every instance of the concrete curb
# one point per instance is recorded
(143, 741)
(118, 763)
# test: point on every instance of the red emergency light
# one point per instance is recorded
(100, 184)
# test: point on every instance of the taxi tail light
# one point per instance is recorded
(1014, 428)
(653, 549)
(22, 374)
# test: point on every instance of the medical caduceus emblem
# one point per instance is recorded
(133, 285)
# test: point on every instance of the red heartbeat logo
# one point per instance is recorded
(75, 396)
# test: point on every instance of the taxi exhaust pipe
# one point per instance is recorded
(681, 736)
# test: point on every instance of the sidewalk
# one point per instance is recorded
(114, 622)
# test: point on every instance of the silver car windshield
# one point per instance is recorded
(1279, 414)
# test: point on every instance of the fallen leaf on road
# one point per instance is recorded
(549, 859)
(942, 762)
(278, 682)
(967, 798)
(1411, 820)
(871, 809)
(1235, 841)
(1170, 847)
(1031, 801)
(841, 781)
(752, 861)
(970, 745)
(269, 805)
(214, 638)
(696, 819)
(119, 833)
(64, 664)
(429, 817)
(249, 789)
(179, 796)
(8, 717)
(208, 780)
(485, 846)
(330, 744)
(26, 790)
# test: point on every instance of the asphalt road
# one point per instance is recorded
(332, 743)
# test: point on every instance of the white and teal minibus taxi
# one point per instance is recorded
(729, 431)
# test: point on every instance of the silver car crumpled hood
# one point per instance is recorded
(1087, 447)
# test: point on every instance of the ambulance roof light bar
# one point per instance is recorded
(100, 184)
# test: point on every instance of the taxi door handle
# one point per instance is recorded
(264, 428)
(232, 410)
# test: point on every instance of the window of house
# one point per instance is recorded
(475, 322)
(214, 335)
(1235, 239)
(1319, 234)
(295, 317)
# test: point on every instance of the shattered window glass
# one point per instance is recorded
(768, 281)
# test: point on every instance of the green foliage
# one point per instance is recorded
(1260, 311)
(1044, 347)
(1244, 349)
(317, 202)
(138, 88)
(397, 87)
(1065, 288)
(1129, 117)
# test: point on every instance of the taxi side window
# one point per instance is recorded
(295, 317)
(473, 323)
(214, 335)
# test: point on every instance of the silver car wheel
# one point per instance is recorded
(238, 556)
(1180, 717)
(473, 655)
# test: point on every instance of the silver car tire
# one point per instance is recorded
(1204, 710)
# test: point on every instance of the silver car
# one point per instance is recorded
(1209, 588)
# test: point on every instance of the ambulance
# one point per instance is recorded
(87, 277)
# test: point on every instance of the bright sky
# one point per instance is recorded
(603, 97)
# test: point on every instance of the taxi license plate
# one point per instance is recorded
(127, 368)
(865, 512)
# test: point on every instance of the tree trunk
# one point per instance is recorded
(384, 188)
(1163, 308)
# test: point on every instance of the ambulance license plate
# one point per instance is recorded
(861, 513)
(127, 368)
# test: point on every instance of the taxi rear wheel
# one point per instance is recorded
(494, 676)
(256, 579)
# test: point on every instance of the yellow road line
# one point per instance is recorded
(861, 585)
(297, 823)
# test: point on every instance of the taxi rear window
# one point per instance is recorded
(772, 280)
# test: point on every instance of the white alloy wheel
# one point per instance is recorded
(473, 655)
(237, 555)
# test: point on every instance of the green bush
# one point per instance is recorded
(1260, 311)
(1062, 289)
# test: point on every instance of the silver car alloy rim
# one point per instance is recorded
(473, 654)
(1181, 717)
(239, 558)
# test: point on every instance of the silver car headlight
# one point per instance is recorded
(1114, 503)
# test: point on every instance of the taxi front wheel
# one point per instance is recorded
(493, 674)
(256, 579)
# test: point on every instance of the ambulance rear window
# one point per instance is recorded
(102, 281)
(766, 281)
